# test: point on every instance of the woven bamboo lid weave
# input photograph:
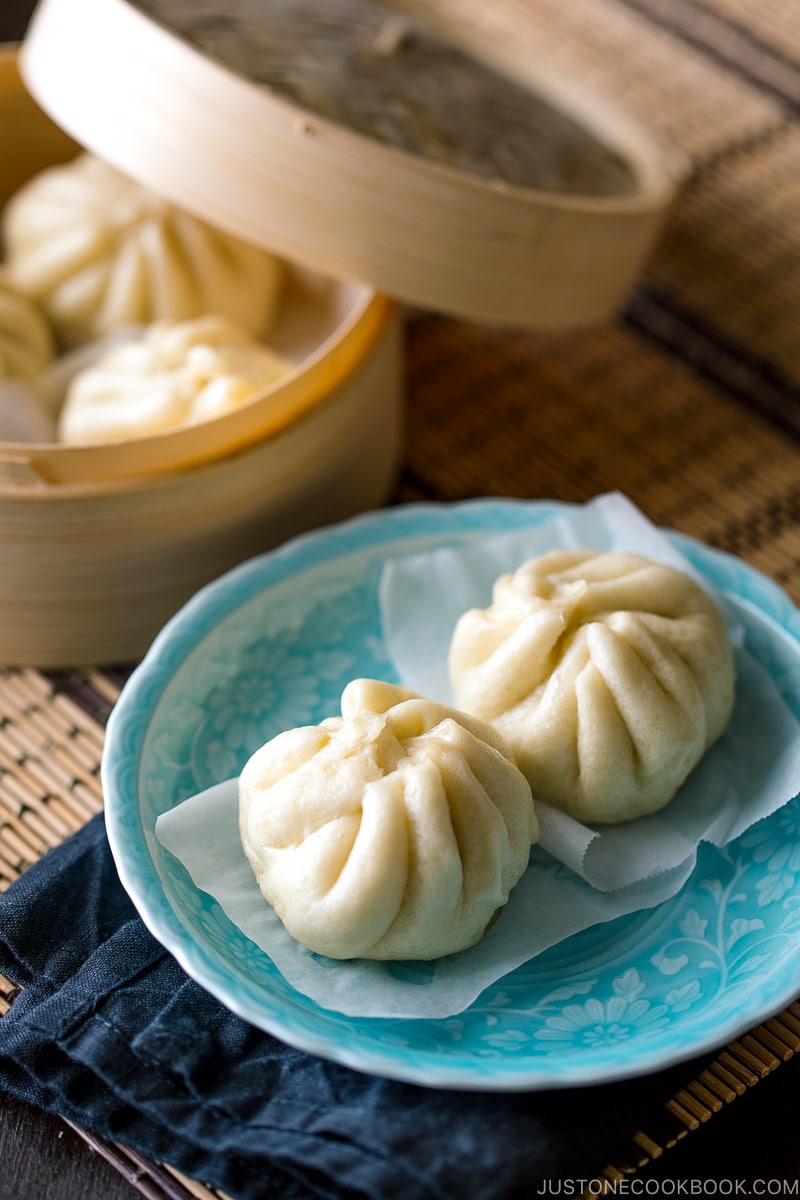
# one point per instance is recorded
(345, 140)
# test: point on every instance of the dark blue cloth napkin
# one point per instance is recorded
(109, 1032)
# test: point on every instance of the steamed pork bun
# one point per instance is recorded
(173, 375)
(609, 675)
(26, 345)
(96, 251)
(395, 831)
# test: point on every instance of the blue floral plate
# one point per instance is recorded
(271, 645)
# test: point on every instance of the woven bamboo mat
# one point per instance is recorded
(689, 403)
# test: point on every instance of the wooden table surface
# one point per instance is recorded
(689, 402)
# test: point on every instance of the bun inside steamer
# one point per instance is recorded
(95, 251)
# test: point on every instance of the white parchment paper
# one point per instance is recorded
(578, 876)
(548, 904)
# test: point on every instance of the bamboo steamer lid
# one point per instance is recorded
(347, 138)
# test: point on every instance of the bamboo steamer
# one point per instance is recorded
(99, 545)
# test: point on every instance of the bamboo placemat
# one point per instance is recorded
(689, 403)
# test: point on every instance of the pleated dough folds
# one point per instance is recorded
(395, 831)
(608, 674)
(95, 251)
(173, 374)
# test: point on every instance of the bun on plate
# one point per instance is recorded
(609, 675)
(395, 831)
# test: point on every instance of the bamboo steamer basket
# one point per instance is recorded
(100, 544)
